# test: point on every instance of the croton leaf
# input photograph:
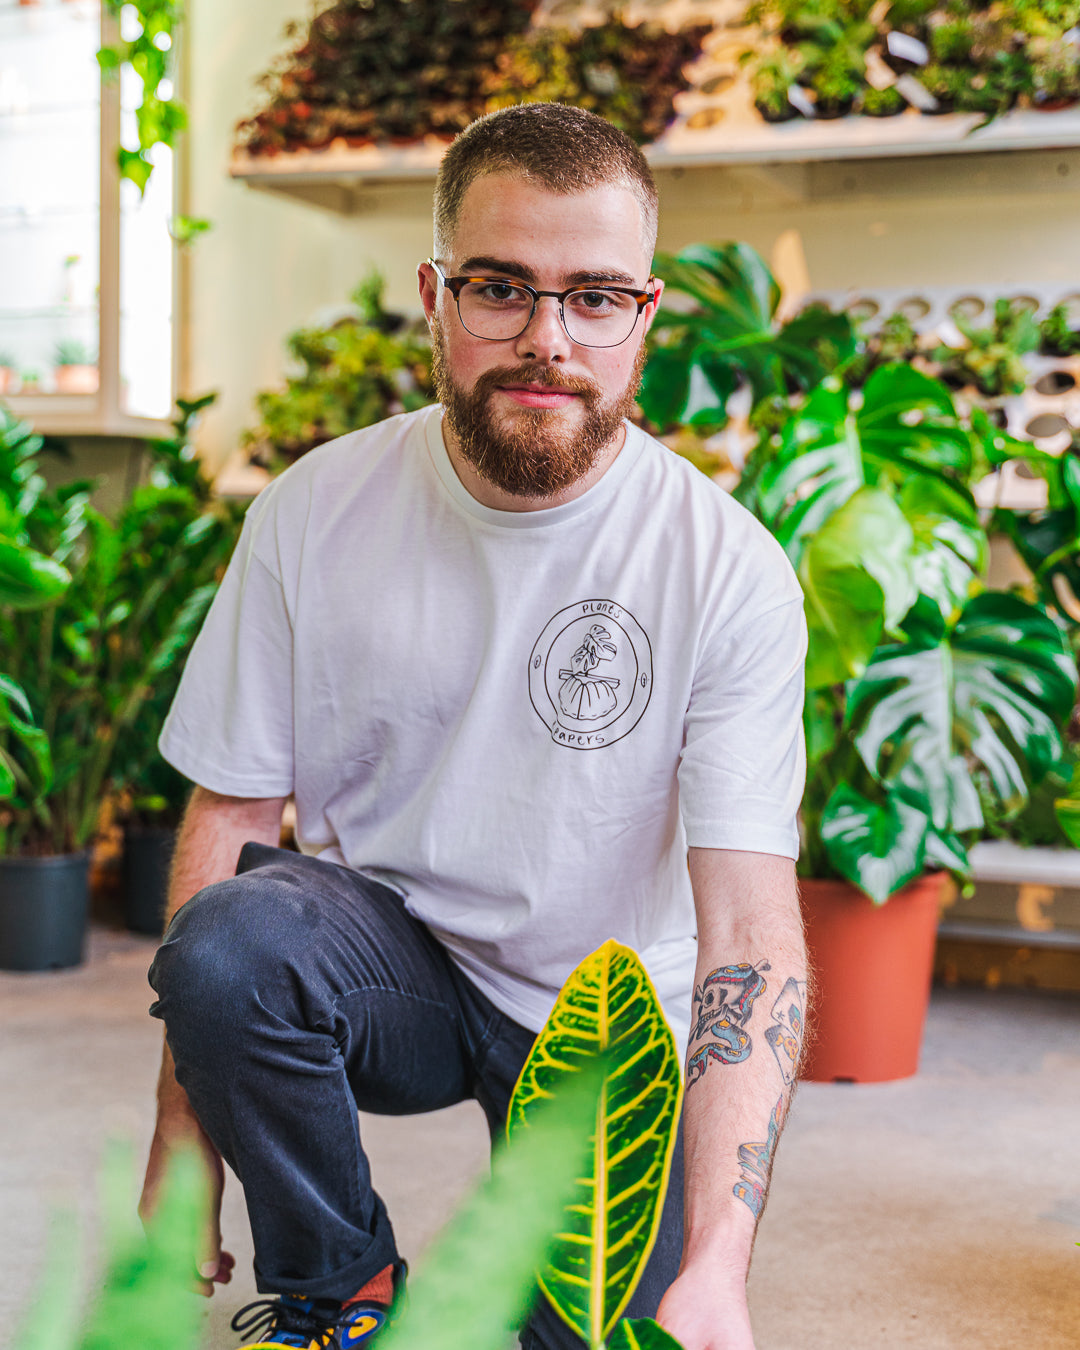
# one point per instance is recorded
(996, 688)
(641, 1333)
(607, 1006)
(878, 845)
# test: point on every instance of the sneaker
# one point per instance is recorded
(288, 1320)
(354, 1326)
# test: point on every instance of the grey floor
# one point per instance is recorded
(939, 1212)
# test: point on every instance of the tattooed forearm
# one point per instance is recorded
(723, 1003)
(756, 1161)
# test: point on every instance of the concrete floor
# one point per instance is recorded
(943, 1211)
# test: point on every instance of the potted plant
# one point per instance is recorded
(929, 693)
(887, 102)
(993, 360)
(771, 84)
(1057, 337)
(366, 366)
(92, 660)
(8, 372)
(74, 368)
(1056, 74)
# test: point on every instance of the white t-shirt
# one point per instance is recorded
(520, 719)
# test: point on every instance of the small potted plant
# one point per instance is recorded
(887, 102)
(771, 84)
(74, 368)
(8, 372)
(993, 359)
(1055, 74)
(1057, 337)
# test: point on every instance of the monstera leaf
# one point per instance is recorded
(698, 358)
(607, 1006)
(992, 691)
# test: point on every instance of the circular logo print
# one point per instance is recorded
(590, 674)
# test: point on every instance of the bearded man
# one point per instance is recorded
(518, 664)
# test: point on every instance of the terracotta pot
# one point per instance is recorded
(7, 380)
(76, 379)
(872, 966)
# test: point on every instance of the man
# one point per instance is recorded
(512, 657)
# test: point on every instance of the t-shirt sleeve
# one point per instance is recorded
(743, 762)
(230, 727)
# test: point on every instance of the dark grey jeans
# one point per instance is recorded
(297, 993)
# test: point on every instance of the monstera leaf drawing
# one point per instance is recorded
(607, 1006)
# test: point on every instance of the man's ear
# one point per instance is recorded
(429, 289)
(650, 309)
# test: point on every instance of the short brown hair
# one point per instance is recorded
(561, 148)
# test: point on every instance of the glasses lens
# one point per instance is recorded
(494, 309)
(498, 310)
(600, 318)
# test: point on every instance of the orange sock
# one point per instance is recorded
(379, 1289)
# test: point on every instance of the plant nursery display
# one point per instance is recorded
(362, 368)
(400, 70)
(90, 671)
(937, 56)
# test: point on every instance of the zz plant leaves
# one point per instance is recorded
(607, 1006)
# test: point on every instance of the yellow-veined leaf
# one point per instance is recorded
(608, 1005)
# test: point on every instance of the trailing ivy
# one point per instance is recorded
(160, 117)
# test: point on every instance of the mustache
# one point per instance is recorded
(549, 376)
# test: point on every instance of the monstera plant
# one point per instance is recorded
(929, 693)
(722, 332)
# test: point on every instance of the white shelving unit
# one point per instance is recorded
(86, 262)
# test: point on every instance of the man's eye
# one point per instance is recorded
(500, 292)
(597, 302)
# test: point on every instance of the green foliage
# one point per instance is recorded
(160, 116)
(475, 1282)
(698, 357)
(367, 70)
(355, 373)
(145, 1296)
(928, 694)
(98, 664)
(72, 352)
(630, 75)
(993, 357)
(604, 1068)
(608, 1008)
(1058, 337)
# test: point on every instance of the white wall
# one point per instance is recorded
(271, 262)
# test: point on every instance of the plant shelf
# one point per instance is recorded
(333, 176)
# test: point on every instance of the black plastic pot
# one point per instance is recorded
(148, 851)
(44, 903)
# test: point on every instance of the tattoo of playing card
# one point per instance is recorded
(786, 1033)
(756, 1161)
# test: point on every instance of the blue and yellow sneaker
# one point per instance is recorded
(354, 1326)
(289, 1320)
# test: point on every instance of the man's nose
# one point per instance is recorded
(544, 338)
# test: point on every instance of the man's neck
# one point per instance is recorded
(498, 499)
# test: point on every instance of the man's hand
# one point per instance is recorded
(213, 1266)
(706, 1310)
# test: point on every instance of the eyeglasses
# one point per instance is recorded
(497, 310)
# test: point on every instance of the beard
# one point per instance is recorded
(530, 453)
